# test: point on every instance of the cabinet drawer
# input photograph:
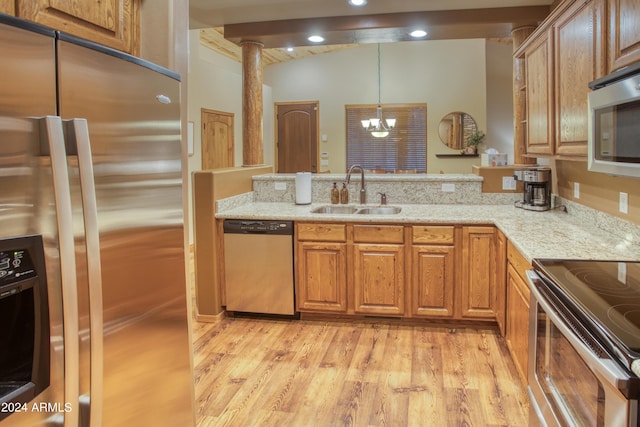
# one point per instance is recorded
(515, 258)
(378, 234)
(433, 235)
(322, 232)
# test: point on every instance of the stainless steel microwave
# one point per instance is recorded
(614, 123)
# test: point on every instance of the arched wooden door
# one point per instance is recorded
(297, 137)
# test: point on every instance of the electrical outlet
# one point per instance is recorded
(622, 272)
(281, 186)
(624, 203)
(508, 183)
(576, 190)
(448, 188)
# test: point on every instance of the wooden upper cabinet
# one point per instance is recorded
(8, 7)
(579, 59)
(113, 23)
(539, 94)
(624, 33)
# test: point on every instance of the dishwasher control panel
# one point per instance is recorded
(250, 227)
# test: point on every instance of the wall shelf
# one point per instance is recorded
(452, 156)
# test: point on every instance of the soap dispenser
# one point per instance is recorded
(344, 194)
(335, 194)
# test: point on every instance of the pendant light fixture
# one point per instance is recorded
(379, 127)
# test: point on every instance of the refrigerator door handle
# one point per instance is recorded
(80, 135)
(53, 141)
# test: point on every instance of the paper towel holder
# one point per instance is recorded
(303, 188)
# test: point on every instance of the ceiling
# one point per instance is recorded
(278, 24)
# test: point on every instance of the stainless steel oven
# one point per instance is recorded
(584, 342)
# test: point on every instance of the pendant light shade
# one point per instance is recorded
(378, 126)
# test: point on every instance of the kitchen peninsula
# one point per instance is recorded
(452, 253)
(580, 232)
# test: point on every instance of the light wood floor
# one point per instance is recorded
(257, 372)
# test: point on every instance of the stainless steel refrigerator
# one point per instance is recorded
(91, 159)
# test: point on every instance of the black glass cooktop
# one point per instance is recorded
(608, 292)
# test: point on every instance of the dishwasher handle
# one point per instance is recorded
(243, 226)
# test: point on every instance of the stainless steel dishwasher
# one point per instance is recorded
(258, 266)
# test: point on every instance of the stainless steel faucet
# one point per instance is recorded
(363, 191)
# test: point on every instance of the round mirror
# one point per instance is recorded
(455, 128)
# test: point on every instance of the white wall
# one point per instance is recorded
(448, 75)
(215, 83)
(500, 98)
(473, 76)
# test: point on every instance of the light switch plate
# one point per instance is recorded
(281, 186)
(324, 162)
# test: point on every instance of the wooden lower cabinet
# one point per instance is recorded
(500, 304)
(517, 311)
(432, 281)
(477, 289)
(518, 321)
(321, 279)
(378, 279)
(411, 271)
(321, 267)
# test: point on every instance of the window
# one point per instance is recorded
(405, 148)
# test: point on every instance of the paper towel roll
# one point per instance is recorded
(303, 188)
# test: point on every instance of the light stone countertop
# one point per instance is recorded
(550, 234)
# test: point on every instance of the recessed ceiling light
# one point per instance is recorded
(418, 33)
(315, 39)
(357, 2)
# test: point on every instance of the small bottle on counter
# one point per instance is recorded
(344, 194)
(335, 194)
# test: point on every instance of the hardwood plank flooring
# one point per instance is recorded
(272, 372)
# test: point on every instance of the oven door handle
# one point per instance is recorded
(606, 369)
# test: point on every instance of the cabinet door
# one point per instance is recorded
(321, 278)
(518, 321)
(113, 23)
(540, 129)
(8, 7)
(501, 281)
(478, 285)
(578, 60)
(624, 33)
(378, 279)
(432, 281)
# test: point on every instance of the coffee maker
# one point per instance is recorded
(537, 188)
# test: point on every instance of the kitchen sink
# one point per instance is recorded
(369, 210)
(379, 210)
(335, 210)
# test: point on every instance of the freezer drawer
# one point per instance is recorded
(258, 260)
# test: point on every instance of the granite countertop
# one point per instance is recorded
(549, 234)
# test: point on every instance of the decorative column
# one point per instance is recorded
(252, 146)
(519, 35)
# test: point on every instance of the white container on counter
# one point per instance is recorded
(303, 188)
